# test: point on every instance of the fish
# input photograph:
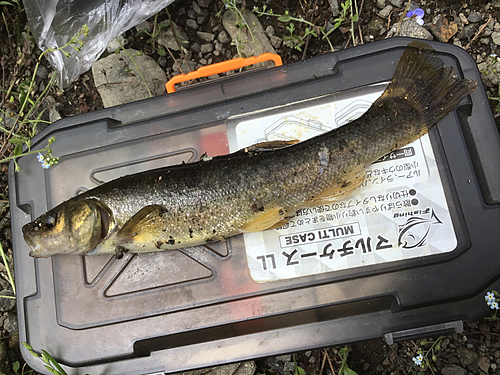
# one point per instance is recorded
(253, 189)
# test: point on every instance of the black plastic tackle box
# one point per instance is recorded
(411, 253)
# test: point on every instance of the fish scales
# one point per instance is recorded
(253, 189)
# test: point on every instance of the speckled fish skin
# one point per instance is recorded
(256, 188)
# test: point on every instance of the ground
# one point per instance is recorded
(476, 351)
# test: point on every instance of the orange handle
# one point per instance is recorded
(221, 67)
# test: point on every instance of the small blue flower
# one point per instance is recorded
(45, 165)
(418, 359)
(493, 305)
(226, 6)
(418, 14)
(489, 297)
(40, 157)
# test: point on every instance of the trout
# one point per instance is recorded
(254, 189)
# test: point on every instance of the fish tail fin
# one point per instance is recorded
(422, 81)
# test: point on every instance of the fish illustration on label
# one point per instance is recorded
(414, 232)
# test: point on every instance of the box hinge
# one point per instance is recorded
(432, 330)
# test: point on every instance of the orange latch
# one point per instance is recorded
(221, 67)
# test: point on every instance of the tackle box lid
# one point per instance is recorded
(411, 254)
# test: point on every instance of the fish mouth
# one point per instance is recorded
(31, 243)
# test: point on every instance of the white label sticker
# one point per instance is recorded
(399, 212)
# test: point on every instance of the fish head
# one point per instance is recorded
(75, 226)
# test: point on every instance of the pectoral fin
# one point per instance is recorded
(140, 224)
(338, 191)
(271, 219)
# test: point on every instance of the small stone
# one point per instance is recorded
(224, 37)
(119, 82)
(3, 352)
(167, 38)
(10, 323)
(116, 43)
(275, 41)
(275, 364)
(409, 27)
(195, 47)
(289, 366)
(181, 11)
(445, 343)
(386, 362)
(192, 24)
(386, 11)
(453, 360)
(218, 47)
(396, 3)
(216, 53)
(463, 19)
(474, 17)
(494, 366)
(466, 33)
(207, 37)
(196, 8)
(192, 14)
(284, 357)
(204, 3)
(467, 356)
(487, 32)
(162, 61)
(270, 31)
(380, 4)
(484, 364)
(334, 7)
(495, 37)
(442, 29)
(183, 67)
(453, 370)
(200, 20)
(6, 304)
(308, 353)
(206, 48)
(42, 72)
(484, 41)
(144, 26)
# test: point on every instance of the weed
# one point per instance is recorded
(296, 41)
(9, 274)
(298, 370)
(422, 358)
(344, 369)
(50, 363)
(497, 99)
(28, 106)
(241, 23)
(136, 67)
(491, 297)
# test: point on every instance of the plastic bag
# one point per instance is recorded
(55, 22)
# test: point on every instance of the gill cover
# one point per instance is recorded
(75, 226)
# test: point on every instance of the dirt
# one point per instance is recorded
(18, 60)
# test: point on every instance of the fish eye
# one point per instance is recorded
(49, 221)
